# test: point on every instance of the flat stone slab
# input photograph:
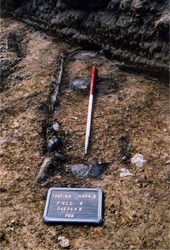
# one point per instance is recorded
(74, 205)
(80, 84)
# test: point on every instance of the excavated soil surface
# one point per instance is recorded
(130, 116)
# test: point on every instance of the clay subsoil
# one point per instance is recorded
(130, 116)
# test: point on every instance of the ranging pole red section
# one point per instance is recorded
(94, 70)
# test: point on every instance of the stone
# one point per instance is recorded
(56, 126)
(96, 170)
(80, 171)
(43, 169)
(124, 172)
(63, 241)
(53, 144)
(138, 160)
(81, 84)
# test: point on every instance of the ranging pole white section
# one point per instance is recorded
(90, 107)
(88, 126)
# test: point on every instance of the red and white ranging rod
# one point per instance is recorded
(90, 108)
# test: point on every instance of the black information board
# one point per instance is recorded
(74, 205)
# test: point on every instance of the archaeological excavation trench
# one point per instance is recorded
(48, 49)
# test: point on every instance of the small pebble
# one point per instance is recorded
(53, 144)
(138, 160)
(56, 126)
(13, 221)
(63, 241)
(124, 172)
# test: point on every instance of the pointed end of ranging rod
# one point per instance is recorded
(85, 151)
(86, 148)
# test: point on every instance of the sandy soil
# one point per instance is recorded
(130, 116)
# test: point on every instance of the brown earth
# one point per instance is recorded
(130, 109)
